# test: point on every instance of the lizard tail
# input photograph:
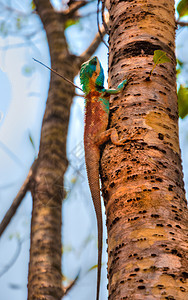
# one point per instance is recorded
(100, 235)
(92, 166)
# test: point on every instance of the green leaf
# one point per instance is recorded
(27, 70)
(18, 23)
(179, 66)
(32, 142)
(3, 28)
(71, 22)
(33, 5)
(11, 236)
(93, 267)
(183, 101)
(182, 8)
(179, 62)
(160, 57)
(178, 71)
(67, 249)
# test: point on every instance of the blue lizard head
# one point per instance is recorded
(91, 75)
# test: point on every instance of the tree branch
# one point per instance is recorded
(16, 202)
(7, 267)
(92, 47)
(74, 7)
(43, 3)
(66, 290)
(103, 17)
(98, 26)
(182, 23)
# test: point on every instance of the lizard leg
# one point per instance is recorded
(115, 91)
(109, 134)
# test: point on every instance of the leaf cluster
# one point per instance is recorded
(183, 101)
(182, 8)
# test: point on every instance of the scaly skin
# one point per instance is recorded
(95, 134)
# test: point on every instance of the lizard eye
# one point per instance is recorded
(94, 62)
(95, 74)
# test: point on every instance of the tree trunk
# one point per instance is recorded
(142, 181)
(45, 277)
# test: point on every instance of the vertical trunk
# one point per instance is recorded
(45, 278)
(143, 181)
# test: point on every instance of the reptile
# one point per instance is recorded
(95, 134)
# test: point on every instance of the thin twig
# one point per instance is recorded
(69, 81)
(92, 47)
(99, 30)
(16, 202)
(7, 267)
(66, 290)
(103, 18)
(74, 7)
(181, 23)
(79, 95)
(11, 154)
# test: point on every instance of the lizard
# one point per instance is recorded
(95, 134)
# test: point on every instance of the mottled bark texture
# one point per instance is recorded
(142, 181)
(45, 277)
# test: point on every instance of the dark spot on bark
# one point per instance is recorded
(160, 286)
(132, 275)
(161, 136)
(135, 49)
(155, 188)
(137, 269)
(152, 100)
(155, 216)
(124, 118)
(163, 93)
(112, 184)
(170, 297)
(157, 148)
(141, 287)
(129, 200)
(170, 188)
(185, 275)
(159, 179)
(165, 268)
(117, 171)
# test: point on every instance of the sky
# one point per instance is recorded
(24, 86)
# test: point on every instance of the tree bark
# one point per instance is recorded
(142, 181)
(45, 277)
(46, 184)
